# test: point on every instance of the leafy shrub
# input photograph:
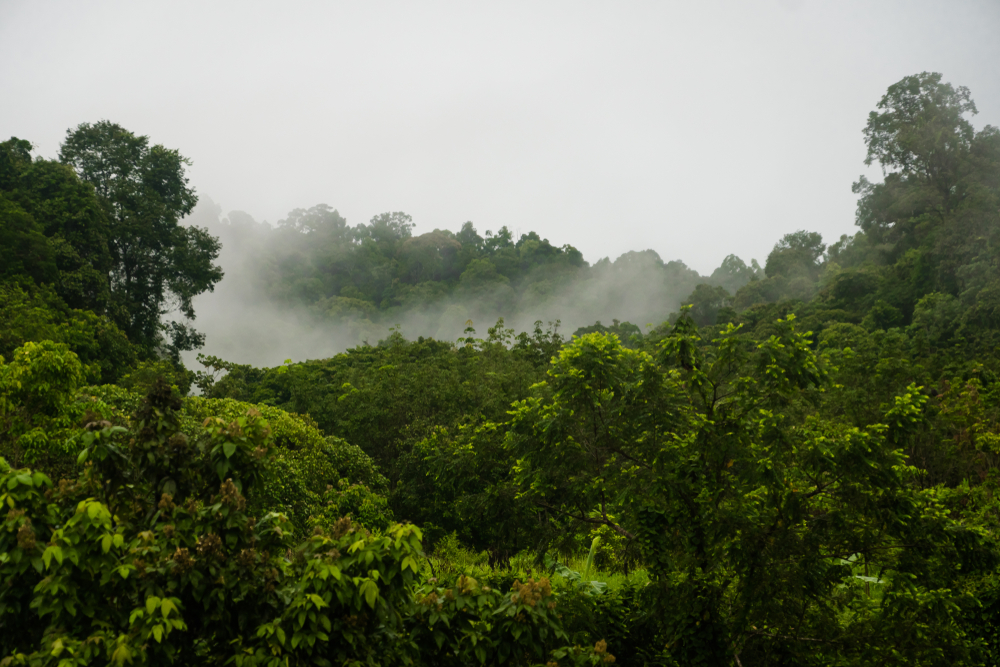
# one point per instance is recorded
(309, 475)
(38, 417)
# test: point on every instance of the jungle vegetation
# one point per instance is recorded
(798, 465)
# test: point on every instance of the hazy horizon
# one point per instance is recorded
(697, 130)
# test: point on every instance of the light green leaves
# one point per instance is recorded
(369, 589)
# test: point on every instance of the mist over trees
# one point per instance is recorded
(331, 281)
(478, 452)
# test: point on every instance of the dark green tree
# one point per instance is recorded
(921, 132)
(629, 334)
(798, 254)
(157, 265)
(734, 273)
(932, 158)
(707, 302)
(54, 231)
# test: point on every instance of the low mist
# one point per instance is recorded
(278, 299)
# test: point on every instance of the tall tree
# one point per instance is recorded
(933, 159)
(158, 266)
(921, 131)
(796, 254)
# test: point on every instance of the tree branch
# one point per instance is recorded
(584, 519)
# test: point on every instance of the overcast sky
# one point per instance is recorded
(694, 128)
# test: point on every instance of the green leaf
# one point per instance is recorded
(121, 655)
(370, 590)
(166, 606)
(229, 448)
(50, 552)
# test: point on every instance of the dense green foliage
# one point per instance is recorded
(139, 559)
(800, 466)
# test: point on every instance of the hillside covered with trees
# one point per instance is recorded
(794, 464)
(313, 275)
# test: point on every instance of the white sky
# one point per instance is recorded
(695, 128)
